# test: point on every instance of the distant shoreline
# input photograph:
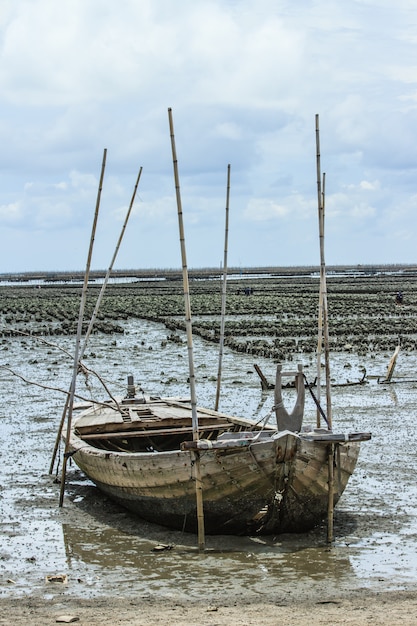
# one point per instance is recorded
(201, 273)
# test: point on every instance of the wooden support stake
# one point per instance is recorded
(330, 503)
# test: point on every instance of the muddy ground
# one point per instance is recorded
(103, 559)
(383, 609)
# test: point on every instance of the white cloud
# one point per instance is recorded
(10, 213)
(83, 181)
(244, 81)
(370, 185)
(62, 185)
(263, 209)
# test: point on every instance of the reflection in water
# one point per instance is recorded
(120, 559)
(393, 395)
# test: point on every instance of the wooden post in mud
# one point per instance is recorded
(264, 382)
(195, 453)
(93, 318)
(391, 365)
(325, 331)
(330, 502)
(79, 331)
(224, 287)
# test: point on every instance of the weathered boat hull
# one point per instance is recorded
(306, 496)
(274, 484)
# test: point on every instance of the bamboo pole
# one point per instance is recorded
(323, 312)
(320, 311)
(224, 287)
(323, 319)
(326, 324)
(110, 268)
(93, 318)
(194, 417)
(79, 330)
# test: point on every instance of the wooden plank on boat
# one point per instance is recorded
(336, 437)
(151, 432)
(109, 419)
(204, 444)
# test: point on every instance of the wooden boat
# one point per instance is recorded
(202, 471)
(255, 478)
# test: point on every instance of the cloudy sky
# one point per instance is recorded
(244, 79)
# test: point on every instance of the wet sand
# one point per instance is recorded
(387, 609)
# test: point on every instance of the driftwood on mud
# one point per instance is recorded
(267, 386)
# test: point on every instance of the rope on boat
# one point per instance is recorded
(209, 445)
(316, 402)
(68, 455)
(266, 419)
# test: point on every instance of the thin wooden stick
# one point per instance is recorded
(198, 481)
(93, 319)
(224, 287)
(70, 400)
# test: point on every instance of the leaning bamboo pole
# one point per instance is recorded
(93, 319)
(110, 268)
(224, 288)
(70, 401)
(198, 481)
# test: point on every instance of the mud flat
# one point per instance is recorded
(387, 609)
(106, 558)
(277, 320)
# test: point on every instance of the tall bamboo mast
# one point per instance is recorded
(79, 331)
(323, 332)
(196, 465)
(320, 311)
(224, 287)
